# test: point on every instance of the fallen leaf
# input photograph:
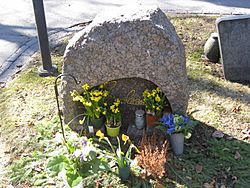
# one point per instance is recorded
(198, 168)
(237, 155)
(207, 185)
(237, 109)
(218, 134)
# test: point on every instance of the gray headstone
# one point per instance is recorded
(234, 41)
(136, 48)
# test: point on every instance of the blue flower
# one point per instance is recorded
(170, 130)
(168, 120)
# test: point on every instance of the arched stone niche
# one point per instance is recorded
(134, 45)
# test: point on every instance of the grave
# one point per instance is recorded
(234, 42)
(132, 48)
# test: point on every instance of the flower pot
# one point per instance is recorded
(113, 131)
(124, 172)
(177, 143)
(97, 123)
(151, 120)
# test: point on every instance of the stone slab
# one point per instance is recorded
(134, 47)
(234, 42)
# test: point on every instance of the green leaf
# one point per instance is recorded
(58, 163)
(77, 181)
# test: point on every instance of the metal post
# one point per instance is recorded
(47, 68)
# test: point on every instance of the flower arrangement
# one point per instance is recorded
(122, 159)
(175, 123)
(154, 101)
(113, 114)
(93, 100)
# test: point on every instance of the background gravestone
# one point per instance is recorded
(234, 41)
(135, 48)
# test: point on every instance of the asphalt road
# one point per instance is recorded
(18, 30)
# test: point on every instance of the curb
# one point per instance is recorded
(24, 54)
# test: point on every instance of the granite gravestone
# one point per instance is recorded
(134, 48)
(234, 42)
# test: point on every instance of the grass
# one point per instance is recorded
(28, 122)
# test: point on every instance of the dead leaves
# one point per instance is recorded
(237, 109)
(198, 168)
(237, 155)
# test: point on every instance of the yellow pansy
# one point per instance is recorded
(98, 109)
(104, 112)
(85, 86)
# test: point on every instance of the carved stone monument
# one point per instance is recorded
(133, 47)
(234, 42)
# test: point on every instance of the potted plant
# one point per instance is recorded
(113, 118)
(154, 101)
(122, 159)
(95, 105)
(178, 127)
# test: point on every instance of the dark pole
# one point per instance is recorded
(47, 68)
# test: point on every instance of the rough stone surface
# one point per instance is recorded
(234, 41)
(137, 47)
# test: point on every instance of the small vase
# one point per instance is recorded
(97, 123)
(124, 172)
(139, 119)
(113, 131)
(151, 120)
(177, 143)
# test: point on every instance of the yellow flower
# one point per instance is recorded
(112, 107)
(81, 122)
(98, 109)
(101, 86)
(154, 92)
(104, 112)
(105, 93)
(158, 89)
(97, 99)
(105, 104)
(117, 102)
(125, 138)
(157, 108)
(100, 134)
(85, 86)
(88, 104)
(157, 98)
(116, 111)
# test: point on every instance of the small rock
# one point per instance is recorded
(237, 155)
(218, 134)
